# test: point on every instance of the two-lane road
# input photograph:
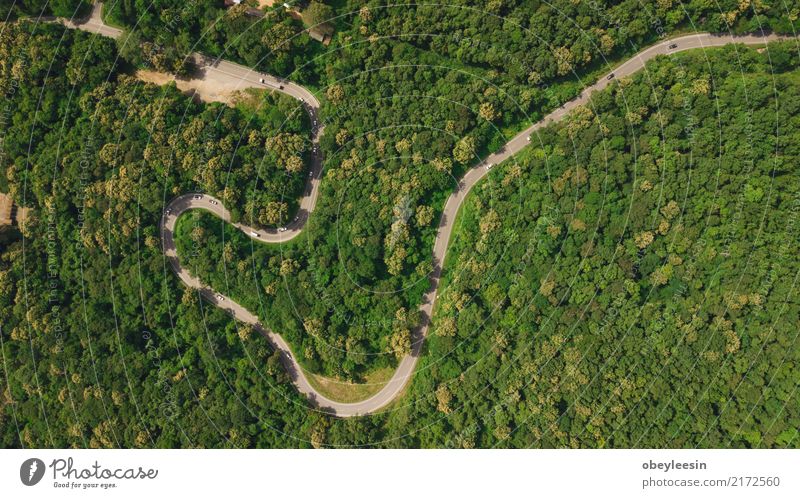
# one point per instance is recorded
(220, 70)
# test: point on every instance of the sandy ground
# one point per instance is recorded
(267, 3)
(205, 90)
(5, 209)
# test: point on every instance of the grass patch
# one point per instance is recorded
(348, 392)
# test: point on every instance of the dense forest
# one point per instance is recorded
(533, 42)
(403, 120)
(97, 154)
(608, 287)
(525, 46)
(389, 166)
(12, 9)
(169, 30)
(628, 281)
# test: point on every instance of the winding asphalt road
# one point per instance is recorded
(219, 70)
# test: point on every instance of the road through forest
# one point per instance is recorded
(221, 71)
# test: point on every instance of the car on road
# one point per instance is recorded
(261, 80)
(529, 138)
(212, 201)
(489, 166)
(310, 174)
(220, 298)
(282, 229)
(673, 46)
(296, 218)
(169, 211)
(255, 234)
(610, 76)
(198, 196)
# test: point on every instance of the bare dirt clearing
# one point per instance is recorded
(205, 90)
